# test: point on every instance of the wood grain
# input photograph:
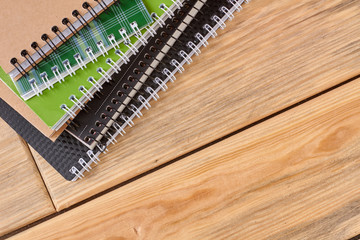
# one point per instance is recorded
(296, 176)
(23, 196)
(275, 53)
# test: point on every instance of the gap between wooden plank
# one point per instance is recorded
(356, 78)
(24, 197)
(37, 167)
(355, 238)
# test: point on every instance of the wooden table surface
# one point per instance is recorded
(258, 139)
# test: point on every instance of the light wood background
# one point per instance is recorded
(292, 175)
(23, 196)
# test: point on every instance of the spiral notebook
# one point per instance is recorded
(110, 63)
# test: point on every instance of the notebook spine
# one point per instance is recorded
(193, 47)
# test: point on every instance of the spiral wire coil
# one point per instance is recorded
(161, 78)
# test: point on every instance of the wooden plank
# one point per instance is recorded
(274, 54)
(24, 198)
(295, 176)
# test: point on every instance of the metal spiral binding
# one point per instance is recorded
(124, 59)
(122, 118)
(115, 66)
(31, 61)
(194, 48)
(52, 46)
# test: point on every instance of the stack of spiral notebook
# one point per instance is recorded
(74, 83)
